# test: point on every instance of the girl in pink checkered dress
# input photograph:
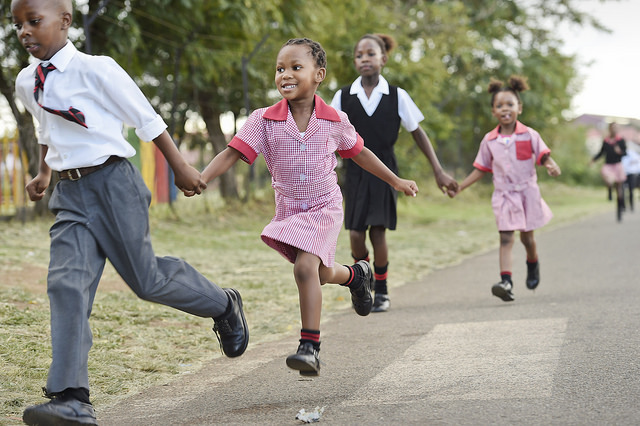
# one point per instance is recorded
(511, 152)
(298, 138)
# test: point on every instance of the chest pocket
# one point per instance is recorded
(524, 151)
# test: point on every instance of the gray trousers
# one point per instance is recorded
(105, 216)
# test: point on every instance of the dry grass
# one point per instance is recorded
(138, 344)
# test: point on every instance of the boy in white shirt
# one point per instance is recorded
(101, 203)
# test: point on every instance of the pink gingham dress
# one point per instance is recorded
(516, 201)
(309, 212)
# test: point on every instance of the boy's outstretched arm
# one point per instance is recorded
(368, 161)
(187, 179)
(37, 187)
(445, 182)
(220, 164)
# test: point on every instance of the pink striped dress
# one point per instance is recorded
(308, 199)
(516, 200)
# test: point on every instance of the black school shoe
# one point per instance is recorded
(306, 360)
(503, 290)
(380, 303)
(60, 412)
(533, 276)
(361, 297)
(231, 328)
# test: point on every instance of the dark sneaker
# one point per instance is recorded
(533, 276)
(306, 360)
(60, 412)
(231, 328)
(380, 303)
(361, 298)
(503, 290)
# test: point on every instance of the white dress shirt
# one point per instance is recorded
(104, 92)
(410, 114)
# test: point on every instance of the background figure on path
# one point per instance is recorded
(612, 172)
(377, 109)
(511, 152)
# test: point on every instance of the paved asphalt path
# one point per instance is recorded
(448, 352)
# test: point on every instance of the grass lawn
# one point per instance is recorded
(138, 344)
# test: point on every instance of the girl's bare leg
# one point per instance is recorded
(506, 246)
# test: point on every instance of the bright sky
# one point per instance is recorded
(612, 81)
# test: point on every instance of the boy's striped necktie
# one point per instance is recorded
(72, 114)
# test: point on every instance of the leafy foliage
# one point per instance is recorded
(188, 56)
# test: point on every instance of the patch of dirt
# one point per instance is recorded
(34, 279)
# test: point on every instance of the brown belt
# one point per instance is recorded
(75, 174)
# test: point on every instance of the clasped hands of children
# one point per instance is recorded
(190, 183)
(552, 167)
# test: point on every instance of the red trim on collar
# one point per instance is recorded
(520, 128)
(279, 111)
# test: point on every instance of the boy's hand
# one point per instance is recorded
(38, 187)
(452, 193)
(189, 181)
(409, 187)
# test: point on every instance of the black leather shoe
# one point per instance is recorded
(60, 412)
(503, 291)
(306, 360)
(231, 328)
(533, 276)
(361, 298)
(380, 303)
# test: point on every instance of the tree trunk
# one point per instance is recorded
(211, 117)
(27, 140)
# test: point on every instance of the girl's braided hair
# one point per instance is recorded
(515, 85)
(317, 52)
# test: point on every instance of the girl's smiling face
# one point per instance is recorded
(506, 108)
(297, 74)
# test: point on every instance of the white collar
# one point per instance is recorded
(63, 56)
(382, 87)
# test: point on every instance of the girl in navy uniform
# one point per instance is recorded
(377, 109)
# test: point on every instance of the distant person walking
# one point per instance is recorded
(511, 152)
(613, 149)
(377, 109)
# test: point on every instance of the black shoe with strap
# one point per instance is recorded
(361, 297)
(503, 290)
(231, 328)
(306, 360)
(533, 275)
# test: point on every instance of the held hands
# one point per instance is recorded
(446, 184)
(409, 187)
(189, 181)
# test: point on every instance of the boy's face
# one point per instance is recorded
(41, 26)
(297, 74)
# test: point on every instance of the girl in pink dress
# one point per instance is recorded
(511, 152)
(298, 138)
